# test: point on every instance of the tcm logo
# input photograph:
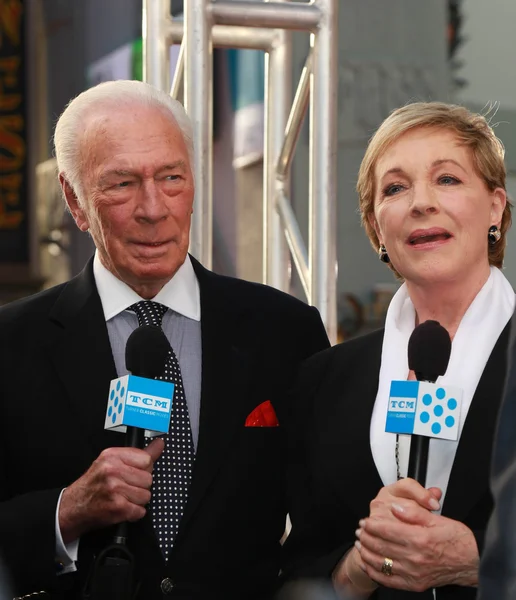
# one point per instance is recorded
(161, 404)
(402, 404)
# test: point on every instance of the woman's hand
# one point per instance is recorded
(350, 576)
(426, 550)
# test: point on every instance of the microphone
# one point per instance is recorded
(146, 353)
(429, 350)
(139, 405)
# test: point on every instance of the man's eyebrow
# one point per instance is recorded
(178, 164)
(115, 173)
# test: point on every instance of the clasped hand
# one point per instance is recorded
(114, 489)
(427, 550)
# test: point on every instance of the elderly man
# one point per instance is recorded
(206, 503)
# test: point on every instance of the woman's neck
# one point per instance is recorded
(446, 302)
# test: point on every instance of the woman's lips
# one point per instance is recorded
(428, 237)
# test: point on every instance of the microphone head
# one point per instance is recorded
(429, 350)
(146, 352)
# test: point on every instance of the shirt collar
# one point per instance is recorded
(181, 294)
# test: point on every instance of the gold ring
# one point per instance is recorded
(387, 567)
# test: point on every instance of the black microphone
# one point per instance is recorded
(113, 574)
(429, 350)
(146, 353)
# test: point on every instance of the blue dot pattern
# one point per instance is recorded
(438, 410)
(449, 421)
(173, 470)
(436, 428)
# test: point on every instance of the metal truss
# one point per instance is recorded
(265, 26)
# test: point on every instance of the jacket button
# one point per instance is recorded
(167, 585)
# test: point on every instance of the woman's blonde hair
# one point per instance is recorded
(471, 129)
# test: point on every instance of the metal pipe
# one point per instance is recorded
(295, 240)
(323, 150)
(225, 36)
(317, 268)
(303, 17)
(199, 104)
(177, 80)
(156, 58)
(278, 92)
(295, 121)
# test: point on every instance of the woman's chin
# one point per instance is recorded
(435, 273)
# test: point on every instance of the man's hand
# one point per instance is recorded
(114, 489)
(427, 550)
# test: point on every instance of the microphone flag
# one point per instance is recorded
(139, 402)
(424, 408)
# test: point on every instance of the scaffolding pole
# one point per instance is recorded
(264, 26)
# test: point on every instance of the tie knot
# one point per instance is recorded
(149, 312)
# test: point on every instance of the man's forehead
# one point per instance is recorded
(114, 139)
(110, 118)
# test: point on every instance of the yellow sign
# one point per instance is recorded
(13, 187)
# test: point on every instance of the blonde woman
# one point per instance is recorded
(433, 202)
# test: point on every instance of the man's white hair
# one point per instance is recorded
(102, 97)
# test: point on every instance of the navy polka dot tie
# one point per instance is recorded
(173, 470)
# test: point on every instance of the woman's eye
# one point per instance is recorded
(448, 180)
(393, 189)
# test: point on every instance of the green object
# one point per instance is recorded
(137, 60)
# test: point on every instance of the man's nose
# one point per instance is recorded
(152, 206)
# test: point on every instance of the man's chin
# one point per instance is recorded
(155, 270)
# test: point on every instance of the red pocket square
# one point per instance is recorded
(262, 416)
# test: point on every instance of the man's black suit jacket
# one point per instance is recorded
(498, 565)
(56, 367)
(333, 474)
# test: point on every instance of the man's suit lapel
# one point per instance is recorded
(347, 447)
(224, 383)
(472, 462)
(82, 357)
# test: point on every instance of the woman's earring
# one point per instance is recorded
(382, 254)
(493, 235)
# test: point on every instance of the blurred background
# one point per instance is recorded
(390, 53)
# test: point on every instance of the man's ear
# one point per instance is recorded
(72, 201)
